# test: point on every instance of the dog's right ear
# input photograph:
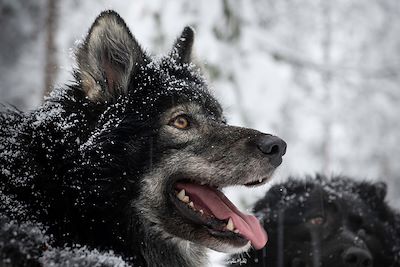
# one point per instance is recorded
(108, 58)
(182, 49)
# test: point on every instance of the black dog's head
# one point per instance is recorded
(161, 140)
(327, 222)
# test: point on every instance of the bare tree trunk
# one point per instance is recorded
(51, 50)
(326, 46)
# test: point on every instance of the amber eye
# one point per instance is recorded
(180, 122)
(317, 220)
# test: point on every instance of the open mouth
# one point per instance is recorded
(206, 206)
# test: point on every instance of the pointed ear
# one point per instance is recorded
(373, 191)
(182, 49)
(380, 190)
(108, 58)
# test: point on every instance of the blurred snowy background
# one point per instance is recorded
(323, 75)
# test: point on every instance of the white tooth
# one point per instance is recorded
(236, 231)
(201, 211)
(181, 194)
(230, 225)
(260, 180)
(191, 204)
(185, 199)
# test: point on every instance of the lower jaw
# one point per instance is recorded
(230, 239)
(223, 238)
(231, 246)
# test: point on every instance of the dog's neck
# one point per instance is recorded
(161, 249)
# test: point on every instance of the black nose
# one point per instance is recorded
(357, 257)
(273, 147)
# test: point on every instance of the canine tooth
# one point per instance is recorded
(181, 194)
(201, 211)
(230, 225)
(236, 231)
(185, 199)
(191, 204)
(260, 180)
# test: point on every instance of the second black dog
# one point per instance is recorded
(324, 222)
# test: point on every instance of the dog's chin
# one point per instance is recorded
(232, 246)
(227, 248)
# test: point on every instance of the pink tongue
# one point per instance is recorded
(223, 209)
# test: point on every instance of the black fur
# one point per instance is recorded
(60, 162)
(73, 170)
(355, 217)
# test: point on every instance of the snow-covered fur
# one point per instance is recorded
(332, 222)
(94, 168)
(26, 244)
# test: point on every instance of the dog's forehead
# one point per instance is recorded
(164, 87)
(198, 104)
(191, 108)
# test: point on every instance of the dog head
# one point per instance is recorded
(334, 221)
(163, 142)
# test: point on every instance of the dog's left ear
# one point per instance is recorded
(182, 49)
(108, 58)
(373, 192)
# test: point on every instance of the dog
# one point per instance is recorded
(132, 157)
(332, 222)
